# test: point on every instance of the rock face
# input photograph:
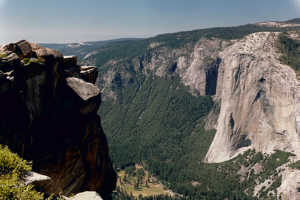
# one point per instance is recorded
(33, 177)
(49, 115)
(199, 71)
(258, 98)
(196, 64)
(259, 105)
(86, 196)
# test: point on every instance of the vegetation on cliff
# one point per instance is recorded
(12, 170)
(290, 49)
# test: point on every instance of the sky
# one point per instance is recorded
(64, 21)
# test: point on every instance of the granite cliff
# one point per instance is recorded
(259, 105)
(49, 116)
(258, 96)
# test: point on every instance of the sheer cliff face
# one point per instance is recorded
(49, 115)
(259, 100)
(196, 65)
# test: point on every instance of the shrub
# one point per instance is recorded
(12, 170)
(12, 164)
(12, 189)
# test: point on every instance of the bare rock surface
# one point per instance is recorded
(70, 61)
(84, 89)
(290, 186)
(51, 118)
(89, 73)
(85, 196)
(259, 106)
(199, 71)
(32, 177)
(258, 100)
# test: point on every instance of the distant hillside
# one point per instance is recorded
(84, 48)
(293, 21)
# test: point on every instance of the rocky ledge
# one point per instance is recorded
(49, 115)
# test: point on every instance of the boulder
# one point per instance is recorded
(89, 73)
(70, 61)
(86, 95)
(85, 196)
(84, 89)
(46, 52)
(22, 49)
(33, 177)
(8, 61)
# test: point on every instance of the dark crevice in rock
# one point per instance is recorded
(237, 74)
(243, 142)
(258, 96)
(212, 77)
(237, 78)
(173, 67)
(262, 80)
(231, 122)
(141, 64)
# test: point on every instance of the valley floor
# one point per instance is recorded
(137, 181)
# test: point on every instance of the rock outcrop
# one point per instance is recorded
(49, 115)
(259, 105)
(258, 98)
(85, 196)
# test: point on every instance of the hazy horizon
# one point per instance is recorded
(96, 20)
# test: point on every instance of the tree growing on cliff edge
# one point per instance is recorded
(12, 172)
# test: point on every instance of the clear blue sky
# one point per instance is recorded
(89, 20)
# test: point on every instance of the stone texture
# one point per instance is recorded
(52, 120)
(83, 89)
(196, 65)
(8, 61)
(85, 196)
(289, 188)
(199, 71)
(89, 73)
(25, 49)
(70, 61)
(46, 52)
(258, 100)
(22, 48)
(89, 95)
(33, 177)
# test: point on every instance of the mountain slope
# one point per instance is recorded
(163, 95)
